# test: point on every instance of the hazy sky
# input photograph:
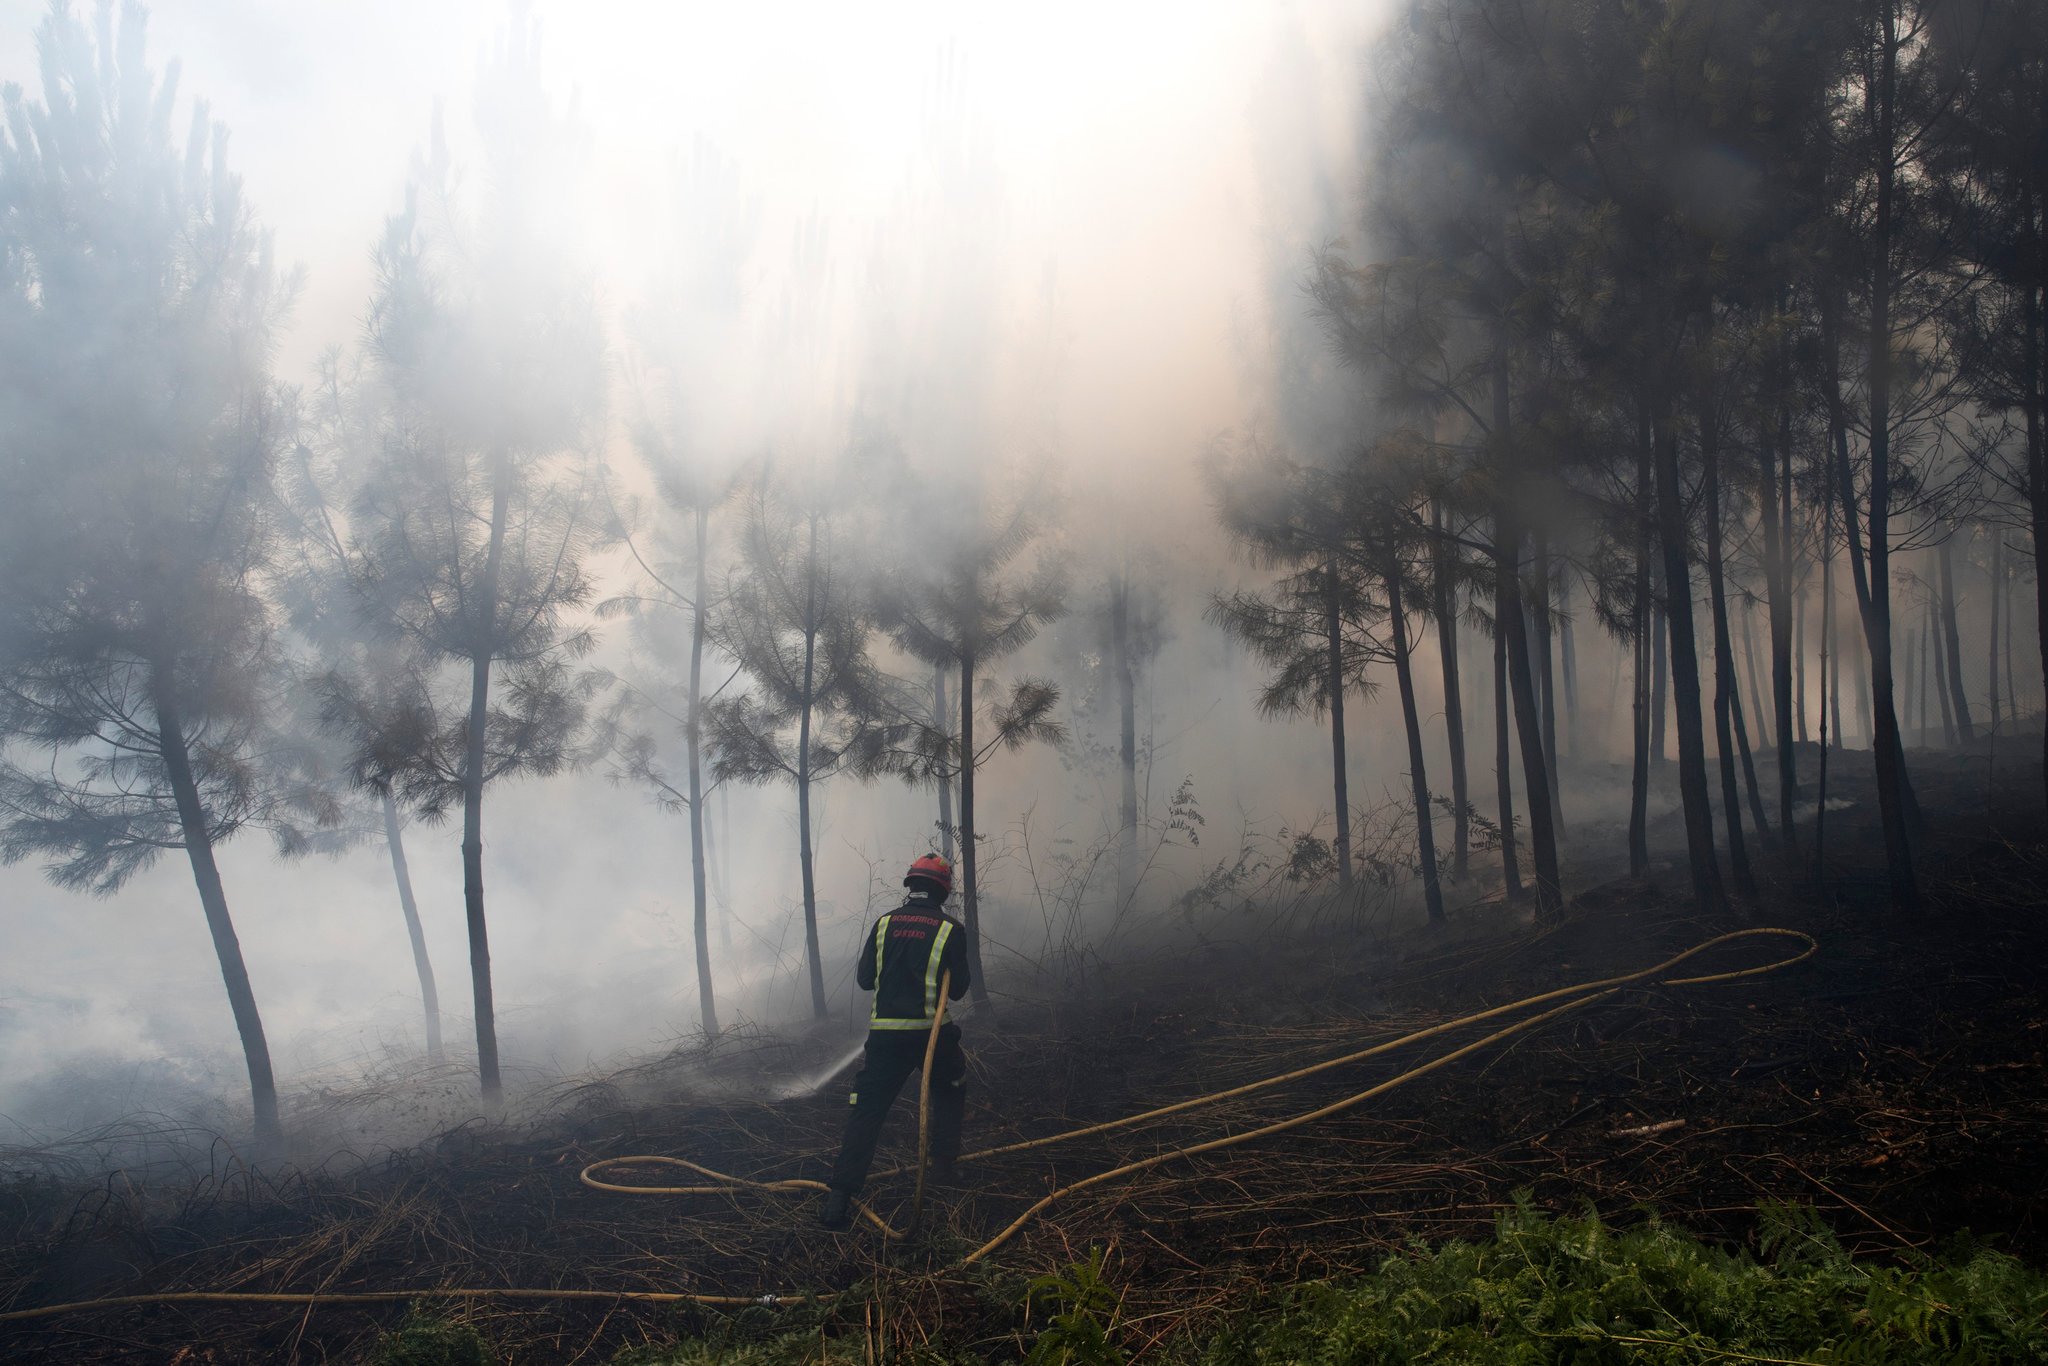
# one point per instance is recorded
(1154, 160)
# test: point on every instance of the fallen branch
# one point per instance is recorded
(1649, 1130)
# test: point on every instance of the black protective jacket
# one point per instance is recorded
(905, 954)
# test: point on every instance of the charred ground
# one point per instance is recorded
(1896, 1082)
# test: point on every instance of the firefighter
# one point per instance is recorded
(902, 961)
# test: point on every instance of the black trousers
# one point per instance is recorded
(892, 1057)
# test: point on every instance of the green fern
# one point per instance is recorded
(1081, 1333)
(1576, 1290)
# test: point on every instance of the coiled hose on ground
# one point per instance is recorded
(1547, 1006)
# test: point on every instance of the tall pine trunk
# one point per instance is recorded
(1757, 817)
(1127, 732)
(1724, 664)
(1568, 666)
(1333, 627)
(939, 718)
(1830, 655)
(1547, 681)
(1528, 727)
(1951, 641)
(717, 855)
(1775, 505)
(430, 996)
(1755, 697)
(1892, 798)
(1685, 667)
(1418, 781)
(213, 900)
(1445, 591)
(1941, 691)
(1521, 683)
(1799, 665)
(1660, 662)
(1644, 640)
(812, 955)
(707, 1007)
(1997, 585)
(970, 907)
(2034, 315)
(1742, 745)
(482, 652)
(1926, 637)
(1503, 756)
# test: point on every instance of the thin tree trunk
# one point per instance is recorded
(1685, 669)
(1541, 598)
(1503, 760)
(1926, 637)
(1755, 703)
(1660, 663)
(1942, 692)
(1644, 640)
(1827, 642)
(1915, 681)
(1831, 666)
(1568, 665)
(1425, 834)
(1749, 782)
(482, 651)
(1892, 797)
(717, 855)
(197, 834)
(2012, 691)
(1442, 559)
(1991, 670)
(1799, 665)
(1742, 744)
(1924, 685)
(1951, 641)
(1865, 728)
(970, 910)
(812, 954)
(1333, 629)
(1521, 683)
(1127, 732)
(1724, 664)
(707, 1007)
(430, 996)
(939, 718)
(2033, 315)
(1776, 510)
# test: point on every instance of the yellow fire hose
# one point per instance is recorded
(1559, 1002)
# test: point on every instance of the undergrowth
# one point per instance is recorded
(1569, 1291)
(1574, 1290)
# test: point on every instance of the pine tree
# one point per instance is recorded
(798, 620)
(473, 528)
(964, 598)
(685, 333)
(138, 670)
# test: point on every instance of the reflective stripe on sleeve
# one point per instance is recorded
(881, 942)
(931, 968)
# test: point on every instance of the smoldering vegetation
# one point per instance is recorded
(1605, 428)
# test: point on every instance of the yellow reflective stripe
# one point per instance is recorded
(899, 1024)
(931, 968)
(881, 940)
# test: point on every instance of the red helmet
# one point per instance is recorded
(933, 869)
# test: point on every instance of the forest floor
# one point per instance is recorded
(1895, 1082)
